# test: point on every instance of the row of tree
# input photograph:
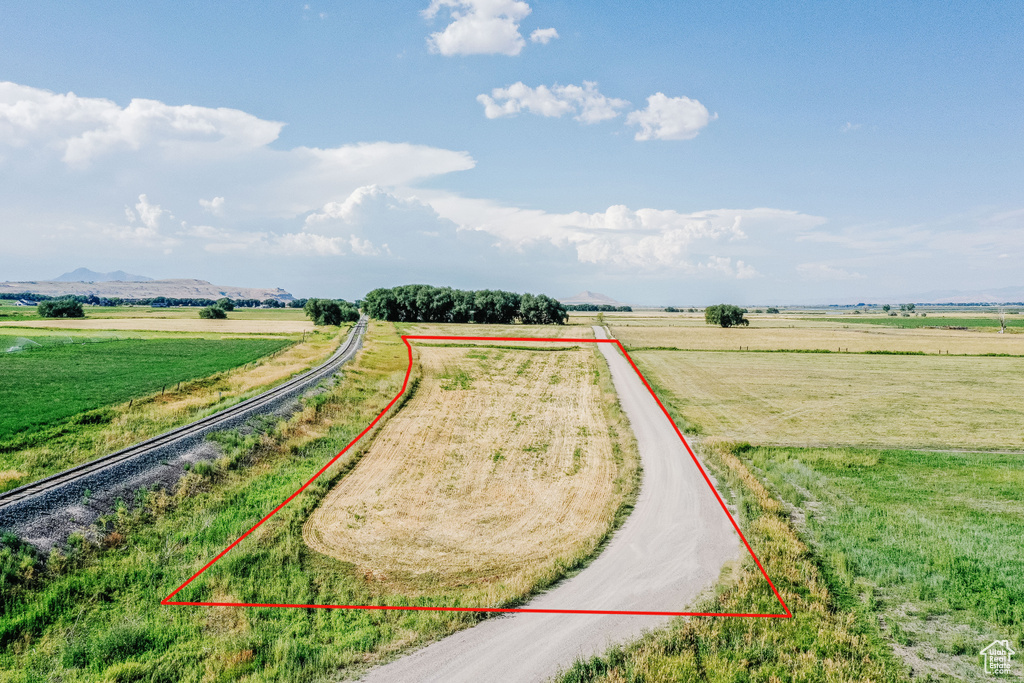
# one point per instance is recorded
(424, 303)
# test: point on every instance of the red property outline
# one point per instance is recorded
(405, 338)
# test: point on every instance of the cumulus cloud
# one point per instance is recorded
(669, 118)
(586, 103)
(83, 128)
(478, 27)
(636, 240)
(543, 35)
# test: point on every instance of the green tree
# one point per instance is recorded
(725, 315)
(64, 307)
(772, 310)
(330, 311)
(225, 304)
(886, 308)
(212, 313)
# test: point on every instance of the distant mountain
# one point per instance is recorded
(588, 297)
(86, 275)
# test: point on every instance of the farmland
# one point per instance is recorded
(92, 612)
(82, 431)
(51, 383)
(501, 467)
(848, 335)
(845, 399)
(910, 568)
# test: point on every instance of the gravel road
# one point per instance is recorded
(671, 548)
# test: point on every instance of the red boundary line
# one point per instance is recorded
(405, 338)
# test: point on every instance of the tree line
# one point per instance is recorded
(424, 303)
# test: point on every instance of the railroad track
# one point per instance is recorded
(45, 494)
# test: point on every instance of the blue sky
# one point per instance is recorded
(797, 152)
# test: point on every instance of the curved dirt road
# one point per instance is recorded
(672, 546)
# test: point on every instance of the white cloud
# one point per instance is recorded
(478, 27)
(543, 35)
(847, 127)
(586, 102)
(823, 272)
(641, 240)
(83, 128)
(669, 118)
(214, 206)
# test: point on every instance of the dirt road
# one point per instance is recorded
(670, 548)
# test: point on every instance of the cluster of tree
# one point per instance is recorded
(297, 303)
(673, 309)
(424, 303)
(771, 309)
(603, 308)
(331, 311)
(65, 307)
(725, 315)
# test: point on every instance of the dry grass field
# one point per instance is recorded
(504, 468)
(770, 334)
(845, 399)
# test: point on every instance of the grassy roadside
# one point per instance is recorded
(28, 456)
(824, 641)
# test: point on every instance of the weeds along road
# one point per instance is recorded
(46, 511)
(671, 548)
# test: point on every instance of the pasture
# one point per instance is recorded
(844, 399)
(938, 567)
(500, 468)
(73, 436)
(50, 383)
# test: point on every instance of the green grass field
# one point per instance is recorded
(929, 542)
(45, 384)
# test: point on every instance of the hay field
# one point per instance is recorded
(500, 472)
(191, 324)
(845, 399)
(779, 334)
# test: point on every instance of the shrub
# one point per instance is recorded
(65, 307)
(772, 309)
(212, 312)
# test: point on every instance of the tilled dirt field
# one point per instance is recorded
(501, 463)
